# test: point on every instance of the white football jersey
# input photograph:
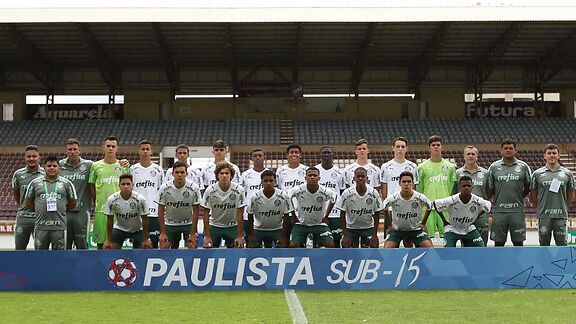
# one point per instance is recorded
(333, 180)
(269, 212)
(223, 205)
(147, 181)
(252, 183)
(390, 174)
(460, 215)
(192, 176)
(178, 202)
(127, 212)
(359, 209)
(288, 178)
(311, 207)
(407, 213)
(373, 173)
(208, 178)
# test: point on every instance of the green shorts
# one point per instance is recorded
(417, 236)
(44, 238)
(76, 234)
(549, 226)
(176, 233)
(502, 223)
(363, 234)
(266, 236)
(99, 231)
(119, 236)
(471, 239)
(321, 233)
(23, 229)
(481, 224)
(228, 234)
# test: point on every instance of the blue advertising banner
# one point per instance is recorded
(447, 268)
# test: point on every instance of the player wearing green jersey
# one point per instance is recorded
(437, 180)
(104, 179)
(552, 192)
(479, 176)
(50, 197)
(508, 184)
(25, 217)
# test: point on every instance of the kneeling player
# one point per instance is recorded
(313, 213)
(268, 214)
(407, 206)
(127, 217)
(463, 209)
(360, 208)
(178, 204)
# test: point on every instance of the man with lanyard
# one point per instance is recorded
(25, 217)
(50, 197)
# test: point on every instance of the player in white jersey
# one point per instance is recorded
(224, 202)
(208, 174)
(360, 208)
(182, 154)
(148, 177)
(126, 212)
(331, 178)
(178, 206)
(251, 182)
(361, 150)
(312, 216)
(464, 207)
(269, 214)
(408, 207)
(390, 171)
(292, 174)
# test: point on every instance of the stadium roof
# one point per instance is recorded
(211, 47)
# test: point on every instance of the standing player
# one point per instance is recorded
(312, 216)
(25, 217)
(178, 204)
(208, 174)
(50, 197)
(331, 178)
(182, 154)
(508, 184)
(361, 150)
(251, 182)
(127, 217)
(437, 181)
(269, 214)
(464, 208)
(224, 202)
(292, 174)
(104, 179)
(360, 208)
(409, 208)
(552, 193)
(77, 170)
(479, 177)
(148, 178)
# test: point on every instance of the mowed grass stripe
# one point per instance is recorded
(440, 306)
(145, 307)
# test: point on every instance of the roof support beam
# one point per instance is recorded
(109, 71)
(556, 59)
(232, 59)
(419, 69)
(485, 65)
(296, 55)
(360, 61)
(170, 66)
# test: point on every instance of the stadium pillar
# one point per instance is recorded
(443, 103)
(147, 105)
(568, 100)
(18, 99)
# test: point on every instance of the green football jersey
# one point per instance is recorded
(479, 180)
(437, 179)
(106, 178)
(507, 182)
(552, 187)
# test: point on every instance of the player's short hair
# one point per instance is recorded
(224, 165)
(400, 138)
(111, 138)
(268, 173)
(219, 144)
(435, 138)
(471, 147)
(31, 148)
(464, 178)
(182, 146)
(360, 169)
(405, 174)
(126, 176)
(293, 146)
(508, 141)
(327, 147)
(360, 142)
(257, 149)
(50, 158)
(144, 142)
(312, 168)
(551, 146)
(72, 141)
(178, 164)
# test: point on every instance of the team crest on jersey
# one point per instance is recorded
(319, 199)
(277, 202)
(232, 197)
(369, 201)
(408, 168)
(83, 167)
(117, 169)
(415, 205)
(472, 209)
(133, 205)
(186, 194)
(444, 168)
(301, 173)
(334, 175)
(480, 175)
(153, 173)
(518, 169)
